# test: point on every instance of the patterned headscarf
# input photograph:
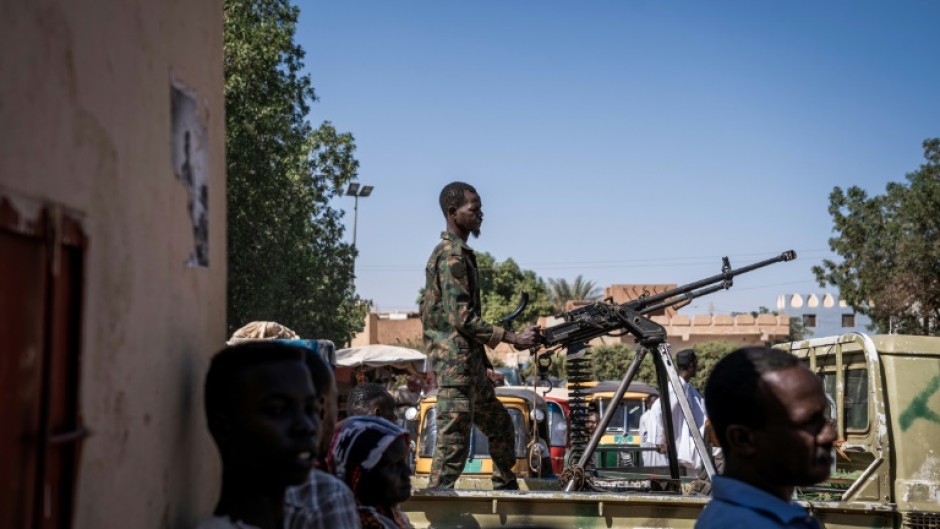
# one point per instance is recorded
(359, 443)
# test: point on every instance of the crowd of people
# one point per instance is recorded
(271, 407)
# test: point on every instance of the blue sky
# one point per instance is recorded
(626, 141)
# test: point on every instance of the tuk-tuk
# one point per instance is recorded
(524, 406)
(559, 426)
(619, 447)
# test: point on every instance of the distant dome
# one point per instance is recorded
(812, 302)
(796, 301)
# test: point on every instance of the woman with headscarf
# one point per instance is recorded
(370, 454)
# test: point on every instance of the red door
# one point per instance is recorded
(41, 277)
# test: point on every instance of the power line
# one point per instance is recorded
(595, 264)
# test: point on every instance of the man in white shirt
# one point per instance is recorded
(651, 428)
(687, 365)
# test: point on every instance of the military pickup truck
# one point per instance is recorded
(885, 393)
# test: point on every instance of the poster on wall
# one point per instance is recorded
(188, 146)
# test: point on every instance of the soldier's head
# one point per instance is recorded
(369, 398)
(462, 208)
(263, 413)
(770, 415)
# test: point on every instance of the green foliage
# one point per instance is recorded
(286, 258)
(890, 249)
(561, 292)
(708, 354)
(501, 284)
(798, 331)
(610, 362)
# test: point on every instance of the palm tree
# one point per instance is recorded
(561, 292)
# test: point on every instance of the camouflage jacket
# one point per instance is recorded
(454, 331)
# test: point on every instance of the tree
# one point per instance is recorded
(798, 330)
(610, 362)
(501, 284)
(286, 258)
(890, 249)
(561, 292)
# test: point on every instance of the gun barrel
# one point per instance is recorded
(640, 304)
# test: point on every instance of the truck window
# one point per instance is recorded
(481, 446)
(855, 400)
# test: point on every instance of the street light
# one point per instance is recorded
(356, 191)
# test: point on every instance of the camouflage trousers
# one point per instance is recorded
(457, 406)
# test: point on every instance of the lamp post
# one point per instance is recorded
(355, 190)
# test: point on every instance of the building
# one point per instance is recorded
(112, 260)
(822, 313)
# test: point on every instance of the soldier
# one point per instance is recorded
(455, 335)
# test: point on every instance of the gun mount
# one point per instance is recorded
(604, 318)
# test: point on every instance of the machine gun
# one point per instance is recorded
(597, 319)
(604, 318)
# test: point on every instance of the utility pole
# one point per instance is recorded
(355, 190)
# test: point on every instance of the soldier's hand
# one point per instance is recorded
(531, 336)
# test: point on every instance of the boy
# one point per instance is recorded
(369, 398)
(263, 413)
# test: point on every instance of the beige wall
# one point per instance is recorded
(380, 328)
(84, 108)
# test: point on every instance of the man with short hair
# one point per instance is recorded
(769, 413)
(455, 337)
(369, 398)
(262, 411)
(325, 496)
(408, 395)
(689, 458)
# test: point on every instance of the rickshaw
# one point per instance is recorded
(559, 426)
(619, 447)
(525, 408)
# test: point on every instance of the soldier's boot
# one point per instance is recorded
(512, 485)
(503, 461)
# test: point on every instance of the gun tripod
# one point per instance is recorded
(666, 377)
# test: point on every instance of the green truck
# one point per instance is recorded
(885, 396)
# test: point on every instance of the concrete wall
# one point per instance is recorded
(390, 329)
(85, 115)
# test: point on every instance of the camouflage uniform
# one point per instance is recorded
(454, 337)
